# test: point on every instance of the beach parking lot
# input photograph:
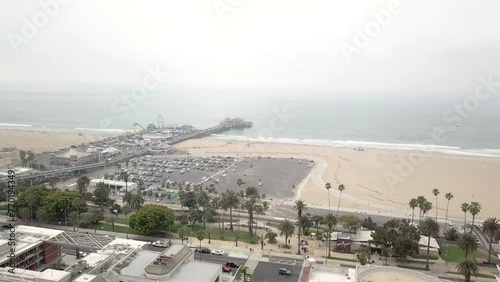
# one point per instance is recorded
(275, 177)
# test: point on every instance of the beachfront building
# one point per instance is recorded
(114, 185)
(161, 149)
(175, 264)
(73, 157)
(32, 250)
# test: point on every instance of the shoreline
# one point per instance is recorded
(364, 173)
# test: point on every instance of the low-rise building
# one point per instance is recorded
(48, 275)
(114, 185)
(73, 157)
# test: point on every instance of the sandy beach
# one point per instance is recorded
(375, 179)
(13, 140)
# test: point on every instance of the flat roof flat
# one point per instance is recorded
(137, 266)
(195, 271)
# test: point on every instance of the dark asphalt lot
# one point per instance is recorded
(268, 271)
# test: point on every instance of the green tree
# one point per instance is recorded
(151, 218)
(124, 177)
(200, 235)
(474, 209)
(490, 228)
(430, 228)
(413, 204)
(436, 193)
(421, 200)
(330, 221)
(101, 194)
(82, 183)
(380, 237)
(239, 182)
(467, 243)
(328, 186)
(300, 206)
(183, 232)
(137, 201)
(451, 234)
(341, 189)
(287, 229)
(467, 268)
(350, 222)
(317, 221)
(230, 200)
(369, 224)
(203, 200)
(250, 207)
(22, 156)
(271, 237)
(31, 199)
(244, 274)
(364, 254)
(448, 197)
(465, 208)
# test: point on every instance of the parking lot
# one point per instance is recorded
(267, 270)
(273, 177)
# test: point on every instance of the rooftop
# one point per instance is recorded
(196, 271)
(168, 260)
(27, 275)
(73, 152)
(137, 266)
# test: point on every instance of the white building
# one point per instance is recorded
(113, 185)
(48, 275)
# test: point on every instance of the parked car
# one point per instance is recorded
(7, 226)
(284, 271)
(218, 252)
(225, 269)
(202, 250)
(159, 244)
(232, 265)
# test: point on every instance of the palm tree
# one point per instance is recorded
(230, 200)
(474, 209)
(287, 229)
(250, 206)
(200, 235)
(436, 193)
(244, 271)
(101, 193)
(430, 228)
(490, 228)
(300, 206)
(124, 176)
(328, 186)
(421, 203)
(183, 232)
(127, 198)
(413, 204)
(426, 207)
(330, 221)
(317, 221)
(341, 189)
(137, 201)
(467, 268)
(448, 197)
(82, 183)
(111, 220)
(203, 200)
(467, 243)
(465, 208)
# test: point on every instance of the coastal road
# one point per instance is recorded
(267, 269)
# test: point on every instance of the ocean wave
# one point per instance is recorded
(99, 129)
(15, 125)
(451, 150)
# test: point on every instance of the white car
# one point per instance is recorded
(82, 254)
(218, 252)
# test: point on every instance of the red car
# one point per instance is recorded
(225, 269)
(231, 265)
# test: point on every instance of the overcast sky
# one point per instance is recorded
(428, 45)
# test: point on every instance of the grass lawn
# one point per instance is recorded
(215, 234)
(452, 253)
(480, 275)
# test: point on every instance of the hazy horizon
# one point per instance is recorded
(440, 48)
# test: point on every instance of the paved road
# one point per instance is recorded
(267, 270)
